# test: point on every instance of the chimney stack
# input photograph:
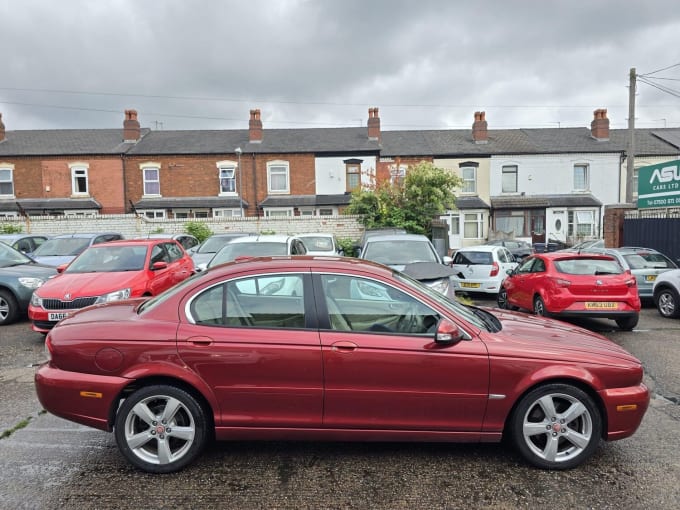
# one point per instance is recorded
(131, 131)
(479, 128)
(599, 127)
(2, 129)
(373, 124)
(255, 127)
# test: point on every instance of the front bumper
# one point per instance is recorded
(625, 408)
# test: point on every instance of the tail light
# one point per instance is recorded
(631, 282)
(560, 282)
(494, 269)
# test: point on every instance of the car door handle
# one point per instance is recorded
(200, 340)
(344, 346)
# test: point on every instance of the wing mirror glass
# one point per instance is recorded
(448, 332)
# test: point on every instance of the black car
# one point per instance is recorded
(519, 249)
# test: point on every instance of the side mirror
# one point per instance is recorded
(158, 265)
(510, 271)
(61, 267)
(448, 333)
(446, 260)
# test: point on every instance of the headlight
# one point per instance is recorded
(31, 283)
(113, 296)
(441, 286)
(36, 300)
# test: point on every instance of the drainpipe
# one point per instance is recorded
(254, 170)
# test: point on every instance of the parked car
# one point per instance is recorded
(666, 293)
(186, 240)
(481, 268)
(221, 355)
(20, 275)
(414, 255)
(25, 243)
(258, 246)
(207, 249)
(321, 244)
(63, 248)
(519, 249)
(550, 246)
(645, 264)
(586, 245)
(109, 272)
(568, 284)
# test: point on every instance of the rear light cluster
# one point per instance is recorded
(630, 282)
(560, 282)
(494, 269)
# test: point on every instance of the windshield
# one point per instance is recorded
(462, 311)
(109, 259)
(318, 243)
(401, 252)
(232, 251)
(214, 244)
(60, 247)
(657, 260)
(484, 258)
(11, 257)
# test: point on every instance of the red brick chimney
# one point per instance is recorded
(255, 127)
(479, 128)
(131, 131)
(599, 127)
(373, 124)
(2, 129)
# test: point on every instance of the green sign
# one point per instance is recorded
(659, 185)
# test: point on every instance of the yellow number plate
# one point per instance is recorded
(601, 305)
(466, 285)
(650, 277)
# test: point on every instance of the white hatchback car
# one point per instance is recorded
(258, 246)
(481, 268)
(321, 244)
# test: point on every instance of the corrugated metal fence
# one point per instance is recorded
(658, 229)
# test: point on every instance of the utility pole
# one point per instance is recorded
(630, 153)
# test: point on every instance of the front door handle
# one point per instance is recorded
(344, 346)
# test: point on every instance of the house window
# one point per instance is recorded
(397, 174)
(353, 177)
(635, 181)
(510, 222)
(79, 185)
(152, 180)
(327, 212)
(6, 182)
(278, 212)
(80, 213)
(5, 214)
(580, 177)
(153, 214)
(472, 226)
(227, 181)
(582, 224)
(277, 177)
(469, 175)
(226, 213)
(306, 211)
(509, 179)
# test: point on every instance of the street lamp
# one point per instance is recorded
(238, 151)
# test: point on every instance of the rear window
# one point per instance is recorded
(473, 258)
(656, 260)
(588, 266)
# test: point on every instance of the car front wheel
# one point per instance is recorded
(556, 426)
(668, 303)
(9, 308)
(161, 429)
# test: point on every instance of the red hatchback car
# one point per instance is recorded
(567, 284)
(315, 348)
(109, 272)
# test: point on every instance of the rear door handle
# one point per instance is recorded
(344, 346)
(201, 340)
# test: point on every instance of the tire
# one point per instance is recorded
(556, 426)
(628, 323)
(157, 443)
(668, 303)
(9, 307)
(539, 307)
(502, 299)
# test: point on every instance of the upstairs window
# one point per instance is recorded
(227, 177)
(469, 175)
(278, 180)
(509, 179)
(79, 181)
(6, 182)
(152, 180)
(353, 174)
(581, 177)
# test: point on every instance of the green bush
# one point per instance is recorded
(8, 228)
(348, 246)
(199, 230)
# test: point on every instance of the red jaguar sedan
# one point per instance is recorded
(109, 272)
(568, 284)
(315, 348)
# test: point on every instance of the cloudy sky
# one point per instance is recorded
(203, 64)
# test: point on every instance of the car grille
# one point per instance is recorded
(58, 304)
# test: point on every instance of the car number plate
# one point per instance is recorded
(601, 305)
(467, 285)
(57, 316)
(650, 277)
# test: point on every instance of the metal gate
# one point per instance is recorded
(658, 231)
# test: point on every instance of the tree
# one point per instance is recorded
(427, 191)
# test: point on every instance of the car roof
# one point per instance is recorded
(273, 238)
(397, 237)
(85, 235)
(315, 234)
(481, 247)
(234, 234)
(565, 255)
(294, 262)
(131, 242)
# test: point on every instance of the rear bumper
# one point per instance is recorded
(596, 314)
(625, 408)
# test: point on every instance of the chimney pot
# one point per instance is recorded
(131, 129)
(599, 127)
(373, 124)
(255, 127)
(480, 132)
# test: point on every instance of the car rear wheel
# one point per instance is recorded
(556, 426)
(9, 308)
(539, 307)
(502, 300)
(628, 323)
(668, 303)
(161, 429)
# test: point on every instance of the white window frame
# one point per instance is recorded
(150, 166)
(515, 172)
(323, 211)
(583, 168)
(152, 214)
(79, 170)
(307, 211)
(223, 169)
(469, 183)
(280, 168)
(226, 213)
(8, 214)
(578, 219)
(476, 219)
(80, 213)
(4, 167)
(278, 212)
(398, 174)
